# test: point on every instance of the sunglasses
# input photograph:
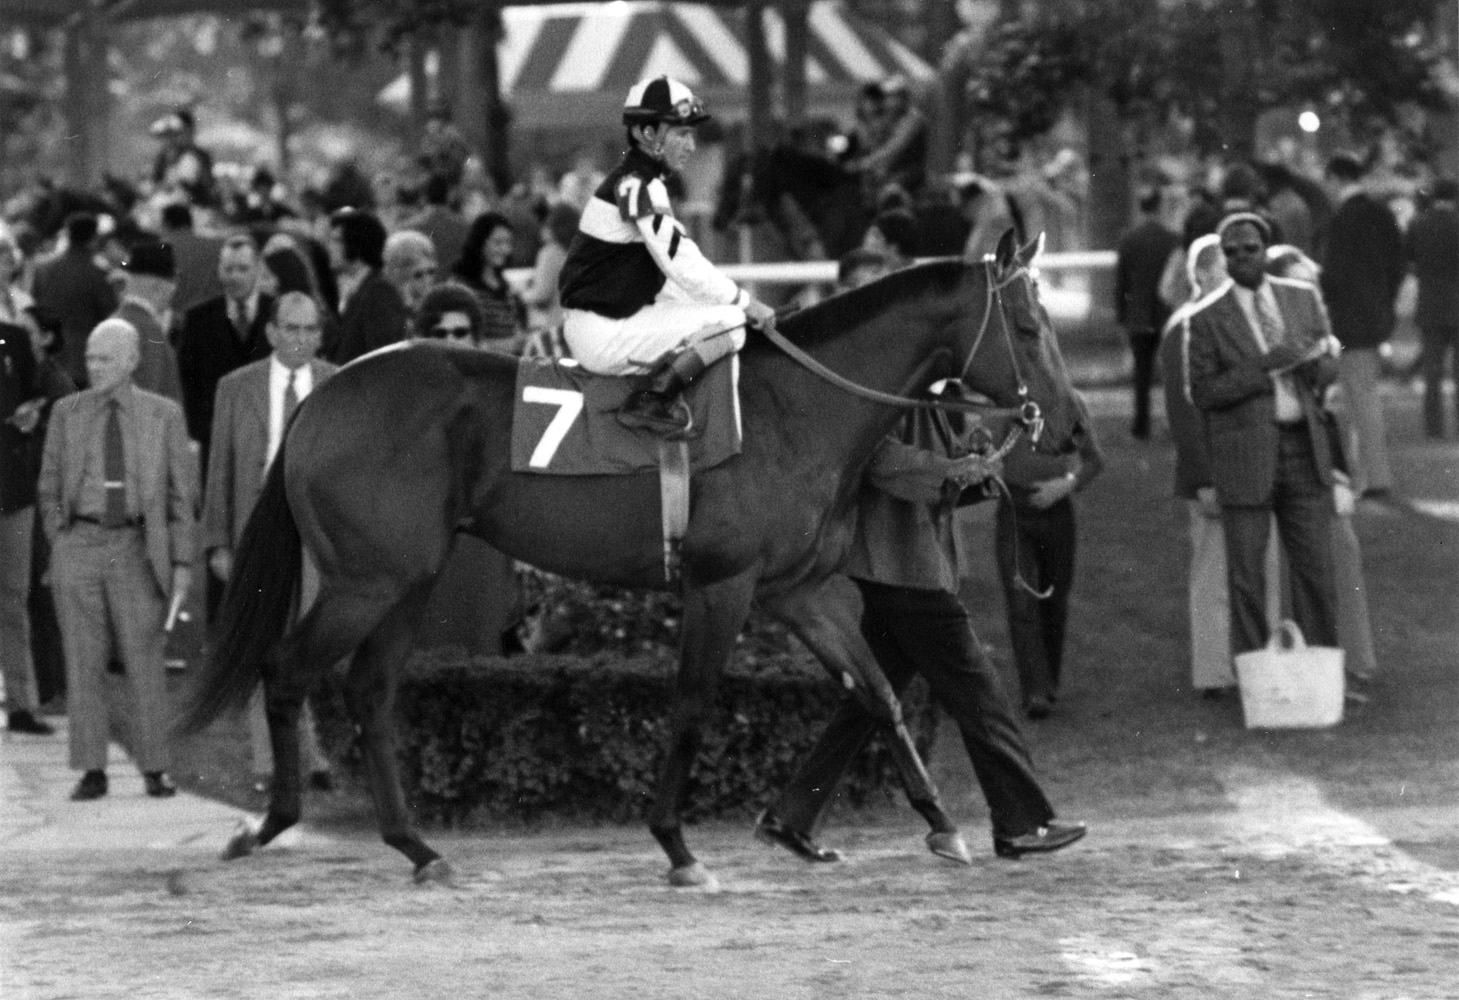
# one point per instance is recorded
(444, 330)
(1236, 249)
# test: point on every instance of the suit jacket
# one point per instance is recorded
(75, 289)
(1433, 246)
(157, 372)
(447, 231)
(1361, 271)
(166, 475)
(240, 450)
(375, 316)
(1237, 398)
(197, 267)
(210, 348)
(1141, 258)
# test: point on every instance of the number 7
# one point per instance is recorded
(569, 404)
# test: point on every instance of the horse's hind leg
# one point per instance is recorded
(713, 616)
(370, 693)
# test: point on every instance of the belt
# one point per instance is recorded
(131, 522)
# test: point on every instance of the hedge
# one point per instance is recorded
(491, 738)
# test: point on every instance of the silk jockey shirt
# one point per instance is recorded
(628, 245)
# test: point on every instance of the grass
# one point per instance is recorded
(1129, 736)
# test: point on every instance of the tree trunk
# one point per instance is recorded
(795, 13)
(757, 131)
(415, 58)
(496, 117)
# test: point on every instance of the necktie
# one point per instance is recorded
(1271, 323)
(239, 311)
(291, 398)
(115, 462)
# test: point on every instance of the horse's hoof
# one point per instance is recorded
(436, 872)
(692, 876)
(243, 842)
(949, 845)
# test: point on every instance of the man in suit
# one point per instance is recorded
(1140, 260)
(442, 224)
(72, 287)
(196, 256)
(372, 313)
(117, 495)
(1260, 363)
(254, 405)
(151, 281)
(1361, 272)
(1433, 249)
(222, 334)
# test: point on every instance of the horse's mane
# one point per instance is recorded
(831, 316)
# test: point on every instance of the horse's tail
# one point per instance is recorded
(256, 607)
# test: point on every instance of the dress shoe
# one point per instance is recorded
(321, 781)
(91, 786)
(159, 785)
(772, 831)
(23, 721)
(1039, 707)
(1041, 841)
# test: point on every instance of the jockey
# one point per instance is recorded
(637, 294)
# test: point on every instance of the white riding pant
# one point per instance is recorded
(630, 346)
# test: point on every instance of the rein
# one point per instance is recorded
(1026, 412)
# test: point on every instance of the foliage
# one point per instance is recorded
(583, 737)
(1216, 62)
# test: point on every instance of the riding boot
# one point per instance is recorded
(660, 406)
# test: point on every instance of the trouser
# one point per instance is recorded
(1143, 345)
(630, 346)
(1303, 507)
(16, 665)
(109, 604)
(1210, 605)
(913, 631)
(1440, 343)
(1039, 546)
(1359, 369)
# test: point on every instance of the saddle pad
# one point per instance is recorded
(564, 421)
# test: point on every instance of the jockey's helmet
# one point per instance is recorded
(662, 101)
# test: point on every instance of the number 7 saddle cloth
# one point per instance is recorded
(564, 421)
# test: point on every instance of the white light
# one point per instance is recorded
(1308, 121)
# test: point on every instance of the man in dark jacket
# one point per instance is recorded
(904, 563)
(372, 313)
(1433, 250)
(1141, 256)
(71, 287)
(1361, 271)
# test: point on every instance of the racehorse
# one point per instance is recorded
(403, 448)
(826, 195)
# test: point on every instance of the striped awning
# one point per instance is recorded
(582, 48)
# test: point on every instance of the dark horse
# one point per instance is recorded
(386, 461)
(778, 181)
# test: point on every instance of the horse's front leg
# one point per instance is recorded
(827, 618)
(713, 617)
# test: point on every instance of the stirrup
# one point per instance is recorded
(668, 417)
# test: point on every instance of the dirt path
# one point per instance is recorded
(1246, 904)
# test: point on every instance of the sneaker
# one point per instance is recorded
(23, 721)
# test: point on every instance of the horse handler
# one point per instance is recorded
(905, 565)
(638, 296)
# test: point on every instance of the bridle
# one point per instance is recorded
(1025, 416)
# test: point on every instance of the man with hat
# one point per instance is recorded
(637, 294)
(181, 164)
(1260, 360)
(151, 282)
(117, 495)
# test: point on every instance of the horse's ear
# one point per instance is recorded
(1005, 256)
(1031, 250)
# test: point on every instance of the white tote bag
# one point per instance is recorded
(1289, 684)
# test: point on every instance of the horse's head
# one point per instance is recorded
(1012, 353)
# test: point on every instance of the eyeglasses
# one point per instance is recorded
(1236, 249)
(422, 273)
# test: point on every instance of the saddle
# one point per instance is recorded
(565, 423)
